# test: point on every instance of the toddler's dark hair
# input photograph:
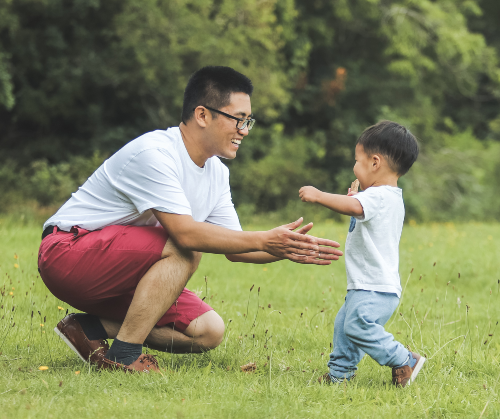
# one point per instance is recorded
(395, 142)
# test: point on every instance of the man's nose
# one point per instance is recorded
(243, 131)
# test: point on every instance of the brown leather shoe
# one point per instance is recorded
(405, 375)
(145, 363)
(326, 378)
(70, 331)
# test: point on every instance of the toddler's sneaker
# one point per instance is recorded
(406, 373)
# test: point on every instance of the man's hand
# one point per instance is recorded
(299, 247)
(281, 242)
(309, 194)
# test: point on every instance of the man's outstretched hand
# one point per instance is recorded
(300, 247)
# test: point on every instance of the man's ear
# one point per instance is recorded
(202, 116)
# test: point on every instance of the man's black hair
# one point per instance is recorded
(393, 141)
(212, 86)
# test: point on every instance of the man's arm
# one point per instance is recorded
(256, 257)
(342, 204)
(280, 242)
(263, 257)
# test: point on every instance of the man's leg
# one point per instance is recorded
(156, 292)
(203, 333)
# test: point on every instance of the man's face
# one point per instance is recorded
(225, 138)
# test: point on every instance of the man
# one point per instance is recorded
(123, 247)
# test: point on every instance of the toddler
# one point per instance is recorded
(384, 152)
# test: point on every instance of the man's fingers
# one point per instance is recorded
(326, 242)
(294, 225)
(295, 245)
(330, 251)
(307, 260)
(305, 229)
(303, 238)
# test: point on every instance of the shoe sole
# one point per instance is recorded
(417, 369)
(68, 342)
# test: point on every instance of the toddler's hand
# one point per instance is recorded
(353, 190)
(309, 194)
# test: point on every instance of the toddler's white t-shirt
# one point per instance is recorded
(372, 245)
(152, 171)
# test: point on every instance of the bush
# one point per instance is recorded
(41, 184)
(458, 181)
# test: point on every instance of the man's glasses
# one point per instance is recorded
(241, 124)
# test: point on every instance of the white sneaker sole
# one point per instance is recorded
(67, 342)
(417, 369)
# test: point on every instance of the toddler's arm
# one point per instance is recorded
(342, 204)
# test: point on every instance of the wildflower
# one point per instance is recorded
(43, 368)
(41, 324)
(11, 293)
(13, 288)
(77, 372)
(16, 265)
(15, 256)
(264, 269)
(60, 308)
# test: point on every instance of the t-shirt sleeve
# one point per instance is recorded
(224, 214)
(151, 181)
(371, 201)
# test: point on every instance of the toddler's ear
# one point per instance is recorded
(376, 161)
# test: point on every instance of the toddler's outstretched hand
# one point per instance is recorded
(309, 194)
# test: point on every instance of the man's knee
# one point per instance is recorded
(208, 329)
(188, 258)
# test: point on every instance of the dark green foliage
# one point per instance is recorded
(82, 77)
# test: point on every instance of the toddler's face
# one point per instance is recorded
(362, 167)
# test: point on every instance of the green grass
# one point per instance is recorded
(290, 341)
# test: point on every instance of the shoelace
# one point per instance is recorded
(149, 358)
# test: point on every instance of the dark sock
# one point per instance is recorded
(123, 352)
(92, 326)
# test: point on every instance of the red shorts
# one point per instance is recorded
(97, 272)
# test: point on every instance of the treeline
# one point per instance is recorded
(80, 78)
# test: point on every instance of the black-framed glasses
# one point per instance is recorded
(242, 122)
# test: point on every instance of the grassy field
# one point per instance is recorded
(449, 311)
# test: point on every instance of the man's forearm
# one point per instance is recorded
(281, 242)
(209, 238)
(253, 257)
(342, 204)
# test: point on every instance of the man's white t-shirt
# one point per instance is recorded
(372, 245)
(153, 171)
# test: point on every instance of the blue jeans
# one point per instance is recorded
(359, 329)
